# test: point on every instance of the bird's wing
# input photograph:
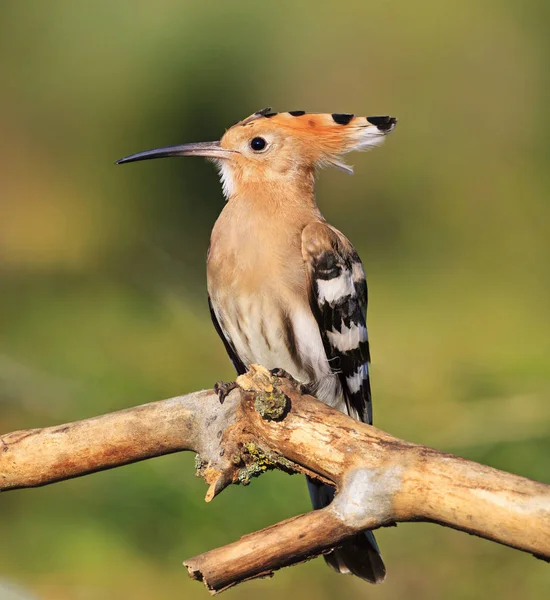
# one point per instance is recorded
(338, 299)
(229, 348)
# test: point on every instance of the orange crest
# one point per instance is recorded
(319, 138)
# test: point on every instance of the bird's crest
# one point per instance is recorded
(329, 135)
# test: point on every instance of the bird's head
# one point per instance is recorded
(272, 148)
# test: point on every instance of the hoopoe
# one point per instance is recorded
(286, 289)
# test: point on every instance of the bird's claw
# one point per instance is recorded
(223, 388)
(282, 373)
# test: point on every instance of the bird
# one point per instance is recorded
(286, 289)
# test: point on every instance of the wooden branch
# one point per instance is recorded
(261, 553)
(36, 457)
(271, 424)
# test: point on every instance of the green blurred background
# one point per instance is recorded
(103, 303)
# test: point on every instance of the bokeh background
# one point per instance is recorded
(102, 298)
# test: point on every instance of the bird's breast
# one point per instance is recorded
(257, 283)
(250, 253)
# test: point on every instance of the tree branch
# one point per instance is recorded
(268, 424)
(36, 457)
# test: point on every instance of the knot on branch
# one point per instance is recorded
(269, 401)
(272, 406)
(235, 455)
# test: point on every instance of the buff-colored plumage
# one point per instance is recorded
(286, 289)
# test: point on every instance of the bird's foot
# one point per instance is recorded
(287, 375)
(223, 388)
(281, 373)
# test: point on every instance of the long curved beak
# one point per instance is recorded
(206, 149)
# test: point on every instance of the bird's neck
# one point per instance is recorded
(281, 191)
(259, 230)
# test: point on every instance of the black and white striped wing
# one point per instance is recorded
(338, 299)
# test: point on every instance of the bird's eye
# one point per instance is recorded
(258, 144)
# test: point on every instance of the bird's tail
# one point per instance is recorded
(359, 554)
